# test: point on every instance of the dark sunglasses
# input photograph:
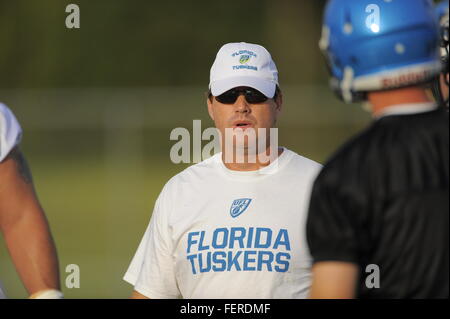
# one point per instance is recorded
(252, 96)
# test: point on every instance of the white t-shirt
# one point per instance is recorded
(2, 294)
(10, 131)
(218, 233)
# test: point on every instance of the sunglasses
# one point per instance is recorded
(252, 96)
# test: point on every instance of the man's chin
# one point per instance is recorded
(244, 128)
(246, 148)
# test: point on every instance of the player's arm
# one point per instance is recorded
(334, 280)
(25, 227)
(137, 295)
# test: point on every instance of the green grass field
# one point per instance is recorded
(100, 162)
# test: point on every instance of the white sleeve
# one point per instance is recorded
(152, 271)
(2, 294)
(10, 131)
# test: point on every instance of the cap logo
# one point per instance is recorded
(247, 52)
(244, 59)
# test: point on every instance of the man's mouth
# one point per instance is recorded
(242, 124)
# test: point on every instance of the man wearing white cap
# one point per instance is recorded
(226, 228)
(22, 219)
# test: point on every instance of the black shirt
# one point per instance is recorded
(383, 199)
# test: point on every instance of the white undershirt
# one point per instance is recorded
(406, 109)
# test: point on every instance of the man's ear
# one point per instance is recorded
(279, 101)
(210, 108)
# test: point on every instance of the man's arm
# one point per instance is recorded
(137, 295)
(334, 280)
(25, 227)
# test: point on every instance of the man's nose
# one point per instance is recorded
(241, 105)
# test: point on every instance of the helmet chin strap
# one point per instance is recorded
(438, 94)
(346, 84)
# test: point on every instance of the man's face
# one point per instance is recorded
(242, 115)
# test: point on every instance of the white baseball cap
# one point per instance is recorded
(243, 64)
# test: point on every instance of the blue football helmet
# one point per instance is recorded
(373, 45)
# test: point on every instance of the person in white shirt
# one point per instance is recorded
(232, 229)
(22, 219)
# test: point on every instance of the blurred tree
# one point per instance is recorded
(293, 31)
(149, 43)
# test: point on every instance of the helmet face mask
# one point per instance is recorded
(373, 45)
(442, 15)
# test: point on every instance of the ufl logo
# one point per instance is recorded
(244, 59)
(239, 206)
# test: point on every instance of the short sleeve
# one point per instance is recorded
(10, 131)
(331, 228)
(152, 270)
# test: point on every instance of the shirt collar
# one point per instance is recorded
(406, 109)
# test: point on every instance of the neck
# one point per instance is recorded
(381, 100)
(246, 166)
